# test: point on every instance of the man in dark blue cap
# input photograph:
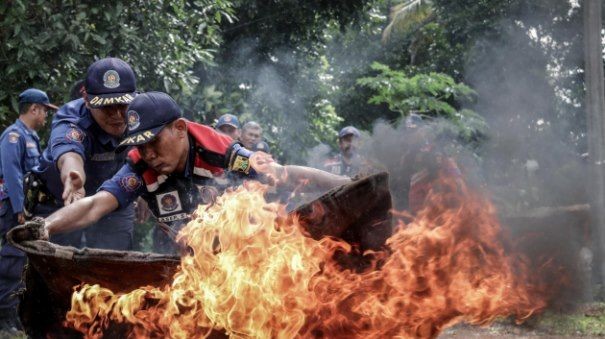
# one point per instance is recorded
(19, 153)
(228, 124)
(173, 166)
(80, 154)
(348, 161)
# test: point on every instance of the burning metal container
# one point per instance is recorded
(357, 212)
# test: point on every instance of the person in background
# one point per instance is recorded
(252, 137)
(19, 153)
(348, 162)
(77, 90)
(228, 124)
(80, 154)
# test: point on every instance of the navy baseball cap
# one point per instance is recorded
(110, 81)
(227, 119)
(35, 96)
(348, 131)
(147, 114)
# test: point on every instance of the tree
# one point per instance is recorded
(49, 44)
(433, 94)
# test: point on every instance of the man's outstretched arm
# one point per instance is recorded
(81, 213)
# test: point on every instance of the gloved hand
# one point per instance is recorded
(31, 230)
(238, 159)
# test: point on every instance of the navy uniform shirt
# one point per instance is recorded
(176, 197)
(339, 166)
(74, 130)
(19, 153)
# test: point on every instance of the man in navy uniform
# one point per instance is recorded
(172, 164)
(19, 153)
(81, 155)
(348, 161)
(228, 124)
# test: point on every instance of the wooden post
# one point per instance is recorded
(595, 106)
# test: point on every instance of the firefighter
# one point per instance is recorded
(173, 166)
(81, 155)
(228, 124)
(19, 153)
(348, 162)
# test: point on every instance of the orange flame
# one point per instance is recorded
(253, 274)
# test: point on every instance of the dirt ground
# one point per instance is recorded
(587, 321)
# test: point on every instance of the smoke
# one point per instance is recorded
(276, 93)
(532, 161)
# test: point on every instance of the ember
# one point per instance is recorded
(253, 273)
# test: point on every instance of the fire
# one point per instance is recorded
(251, 272)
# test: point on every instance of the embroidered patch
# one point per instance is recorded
(227, 118)
(130, 183)
(111, 79)
(169, 202)
(241, 164)
(31, 145)
(13, 137)
(133, 120)
(75, 134)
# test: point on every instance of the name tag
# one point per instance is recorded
(31, 145)
(108, 156)
(175, 217)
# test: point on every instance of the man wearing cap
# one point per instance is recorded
(173, 165)
(81, 155)
(19, 153)
(228, 124)
(348, 161)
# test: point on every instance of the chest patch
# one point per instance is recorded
(169, 202)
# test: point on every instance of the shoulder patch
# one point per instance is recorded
(75, 134)
(130, 183)
(13, 137)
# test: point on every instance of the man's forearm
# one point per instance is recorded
(311, 178)
(81, 213)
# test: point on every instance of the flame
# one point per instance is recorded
(251, 272)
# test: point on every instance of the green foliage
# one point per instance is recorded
(49, 44)
(272, 57)
(433, 94)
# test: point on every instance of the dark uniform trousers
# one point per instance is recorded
(12, 260)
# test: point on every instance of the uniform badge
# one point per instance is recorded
(133, 120)
(169, 202)
(130, 183)
(13, 137)
(111, 79)
(75, 134)
(241, 164)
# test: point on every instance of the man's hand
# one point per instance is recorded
(20, 218)
(73, 188)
